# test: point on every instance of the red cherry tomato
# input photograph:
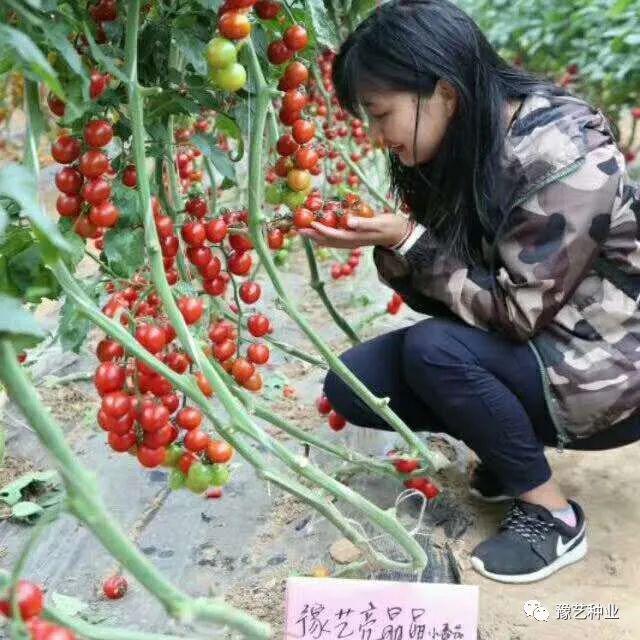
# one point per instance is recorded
(295, 74)
(130, 176)
(302, 218)
(303, 131)
(69, 181)
(104, 215)
(258, 325)
(115, 587)
(109, 377)
(278, 52)
(93, 163)
(323, 405)
(96, 191)
(66, 149)
(250, 292)
(336, 421)
(258, 353)
(191, 309)
(151, 458)
(296, 38)
(240, 263)
(189, 418)
(69, 206)
(216, 230)
(275, 239)
(30, 601)
(98, 133)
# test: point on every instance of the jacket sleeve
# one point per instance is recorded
(546, 247)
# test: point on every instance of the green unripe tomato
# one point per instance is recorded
(219, 475)
(174, 453)
(281, 257)
(274, 193)
(176, 479)
(323, 254)
(221, 53)
(286, 244)
(198, 477)
(294, 199)
(231, 78)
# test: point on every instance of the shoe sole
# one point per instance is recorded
(501, 498)
(577, 553)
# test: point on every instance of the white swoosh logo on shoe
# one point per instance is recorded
(561, 547)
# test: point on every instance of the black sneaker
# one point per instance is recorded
(484, 486)
(530, 544)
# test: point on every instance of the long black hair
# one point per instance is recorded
(408, 45)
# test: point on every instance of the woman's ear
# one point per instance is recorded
(448, 95)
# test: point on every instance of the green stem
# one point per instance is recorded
(32, 111)
(100, 632)
(256, 218)
(214, 188)
(317, 284)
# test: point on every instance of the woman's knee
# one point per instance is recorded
(431, 344)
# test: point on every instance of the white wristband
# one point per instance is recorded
(418, 230)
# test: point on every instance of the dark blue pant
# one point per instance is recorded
(445, 376)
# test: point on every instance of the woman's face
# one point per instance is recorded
(392, 119)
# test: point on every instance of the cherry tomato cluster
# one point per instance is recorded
(85, 192)
(299, 158)
(407, 465)
(140, 410)
(31, 605)
(336, 421)
(348, 268)
(226, 73)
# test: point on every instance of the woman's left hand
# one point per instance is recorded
(385, 229)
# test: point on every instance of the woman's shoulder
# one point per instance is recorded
(551, 133)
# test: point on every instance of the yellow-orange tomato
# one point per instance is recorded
(298, 180)
(234, 25)
(219, 452)
(204, 384)
(254, 382)
(320, 572)
(363, 210)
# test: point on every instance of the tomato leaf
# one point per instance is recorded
(27, 56)
(209, 146)
(192, 49)
(18, 324)
(127, 201)
(107, 62)
(322, 24)
(20, 184)
(124, 250)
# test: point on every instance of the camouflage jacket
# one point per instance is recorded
(573, 204)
